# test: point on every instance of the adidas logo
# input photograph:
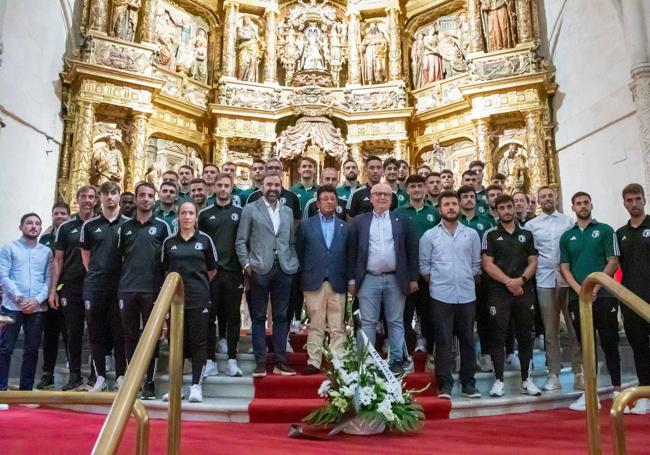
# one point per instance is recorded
(624, 237)
(205, 310)
(128, 233)
(74, 231)
(173, 248)
(212, 217)
(499, 238)
(366, 198)
(98, 230)
(613, 310)
(573, 238)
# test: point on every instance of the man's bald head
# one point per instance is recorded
(381, 196)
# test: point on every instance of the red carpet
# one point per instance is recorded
(53, 432)
(287, 399)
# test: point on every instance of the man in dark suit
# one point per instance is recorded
(384, 255)
(322, 246)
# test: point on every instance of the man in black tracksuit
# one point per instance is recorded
(140, 242)
(220, 222)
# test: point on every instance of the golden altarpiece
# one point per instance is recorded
(159, 83)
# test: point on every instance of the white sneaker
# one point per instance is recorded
(289, 347)
(210, 369)
(512, 363)
(580, 404)
(4, 407)
(430, 366)
(196, 394)
(118, 383)
(552, 383)
(108, 360)
(539, 343)
(222, 346)
(165, 397)
(100, 385)
(528, 387)
(485, 363)
(497, 389)
(233, 369)
(296, 327)
(641, 407)
(421, 345)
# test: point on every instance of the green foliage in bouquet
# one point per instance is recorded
(355, 386)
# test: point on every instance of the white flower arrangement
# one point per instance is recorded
(356, 387)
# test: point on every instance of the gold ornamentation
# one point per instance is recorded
(82, 148)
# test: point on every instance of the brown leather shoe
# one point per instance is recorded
(310, 370)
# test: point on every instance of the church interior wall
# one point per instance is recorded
(35, 35)
(597, 134)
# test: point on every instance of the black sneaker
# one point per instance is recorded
(397, 369)
(259, 371)
(149, 391)
(74, 383)
(470, 391)
(310, 370)
(47, 382)
(444, 393)
(283, 370)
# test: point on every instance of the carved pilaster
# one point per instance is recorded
(354, 43)
(82, 149)
(230, 40)
(483, 146)
(640, 87)
(524, 21)
(136, 160)
(475, 26)
(394, 49)
(220, 152)
(98, 19)
(355, 154)
(147, 34)
(551, 156)
(64, 161)
(267, 149)
(400, 149)
(536, 151)
(271, 38)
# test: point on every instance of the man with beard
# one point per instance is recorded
(450, 261)
(510, 260)
(446, 180)
(351, 173)
(359, 200)
(220, 222)
(199, 193)
(140, 242)
(286, 197)
(634, 239)
(305, 189)
(468, 178)
(127, 204)
(230, 168)
(391, 171)
(257, 175)
(210, 172)
(54, 322)
(423, 171)
(166, 210)
(402, 173)
(25, 277)
(101, 258)
(185, 176)
(493, 192)
(328, 176)
(68, 276)
(481, 197)
(265, 246)
(432, 184)
(588, 247)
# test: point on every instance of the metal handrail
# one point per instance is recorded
(170, 299)
(636, 304)
(618, 410)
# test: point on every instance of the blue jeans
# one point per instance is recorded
(32, 325)
(379, 291)
(278, 285)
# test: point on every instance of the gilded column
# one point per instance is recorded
(475, 26)
(221, 152)
(230, 40)
(524, 21)
(551, 156)
(82, 149)
(98, 19)
(483, 146)
(136, 162)
(400, 149)
(355, 154)
(536, 153)
(147, 32)
(394, 48)
(68, 131)
(271, 58)
(354, 43)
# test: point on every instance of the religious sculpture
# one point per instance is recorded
(435, 56)
(373, 49)
(167, 39)
(185, 53)
(125, 18)
(507, 161)
(249, 51)
(312, 47)
(107, 163)
(98, 17)
(153, 175)
(200, 67)
(499, 21)
(513, 166)
(195, 162)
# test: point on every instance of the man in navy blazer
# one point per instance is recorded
(384, 256)
(322, 248)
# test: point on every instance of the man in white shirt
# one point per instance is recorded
(450, 260)
(552, 290)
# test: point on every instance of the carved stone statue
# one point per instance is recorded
(432, 67)
(200, 67)
(196, 163)
(98, 19)
(185, 54)
(167, 39)
(313, 45)
(153, 175)
(107, 163)
(125, 18)
(508, 160)
(499, 21)
(373, 49)
(249, 52)
(517, 178)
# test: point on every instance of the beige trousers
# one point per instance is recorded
(326, 309)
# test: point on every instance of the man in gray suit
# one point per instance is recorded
(266, 249)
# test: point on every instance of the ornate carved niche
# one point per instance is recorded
(455, 156)
(249, 47)
(163, 155)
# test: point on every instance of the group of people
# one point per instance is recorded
(401, 245)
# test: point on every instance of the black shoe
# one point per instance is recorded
(397, 369)
(149, 391)
(283, 370)
(444, 393)
(310, 370)
(259, 371)
(47, 382)
(74, 382)
(470, 391)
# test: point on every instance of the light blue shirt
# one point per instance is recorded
(381, 248)
(25, 271)
(327, 227)
(452, 262)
